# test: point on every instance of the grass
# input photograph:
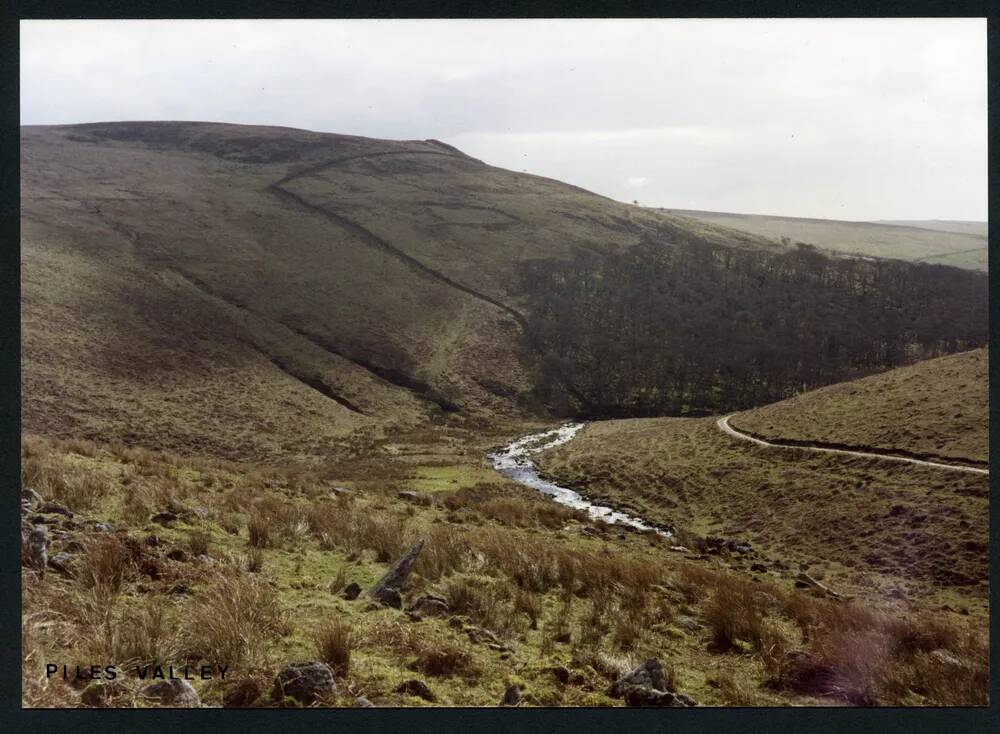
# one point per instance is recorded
(935, 408)
(553, 597)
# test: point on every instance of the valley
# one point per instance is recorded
(265, 367)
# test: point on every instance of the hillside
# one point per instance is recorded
(935, 408)
(960, 244)
(920, 529)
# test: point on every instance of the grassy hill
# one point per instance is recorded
(960, 244)
(242, 291)
(936, 408)
(865, 524)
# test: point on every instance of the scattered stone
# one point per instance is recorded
(688, 624)
(31, 496)
(243, 694)
(418, 688)
(640, 696)
(50, 508)
(417, 498)
(175, 692)
(946, 658)
(648, 675)
(386, 589)
(99, 693)
(680, 549)
(164, 518)
(36, 549)
(512, 696)
(804, 580)
(560, 673)
(363, 703)
(482, 636)
(103, 527)
(304, 682)
(758, 568)
(62, 563)
(207, 560)
(352, 591)
(177, 554)
(341, 490)
(430, 606)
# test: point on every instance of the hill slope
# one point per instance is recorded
(240, 290)
(933, 408)
(960, 244)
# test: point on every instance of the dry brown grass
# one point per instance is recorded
(334, 640)
(233, 622)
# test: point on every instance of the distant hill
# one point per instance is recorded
(960, 244)
(935, 407)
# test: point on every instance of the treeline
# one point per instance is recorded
(692, 328)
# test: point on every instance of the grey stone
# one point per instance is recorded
(305, 682)
(648, 675)
(395, 577)
(175, 692)
(414, 687)
(512, 696)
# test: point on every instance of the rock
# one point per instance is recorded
(49, 508)
(305, 682)
(418, 688)
(177, 554)
(688, 624)
(640, 696)
(30, 496)
(512, 696)
(341, 490)
(352, 591)
(179, 590)
(560, 673)
(363, 703)
(680, 549)
(62, 563)
(648, 675)
(946, 658)
(482, 636)
(99, 693)
(243, 694)
(164, 518)
(804, 580)
(758, 568)
(102, 527)
(395, 578)
(390, 597)
(417, 498)
(207, 560)
(36, 549)
(174, 692)
(430, 606)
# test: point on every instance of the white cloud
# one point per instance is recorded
(861, 119)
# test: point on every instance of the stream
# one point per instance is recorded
(514, 462)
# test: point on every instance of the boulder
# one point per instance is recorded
(49, 508)
(36, 548)
(99, 693)
(30, 496)
(430, 606)
(512, 696)
(418, 688)
(804, 580)
(639, 696)
(648, 675)
(175, 692)
(363, 703)
(304, 682)
(395, 578)
(62, 563)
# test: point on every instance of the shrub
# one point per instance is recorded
(198, 543)
(258, 531)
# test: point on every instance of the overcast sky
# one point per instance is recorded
(845, 119)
